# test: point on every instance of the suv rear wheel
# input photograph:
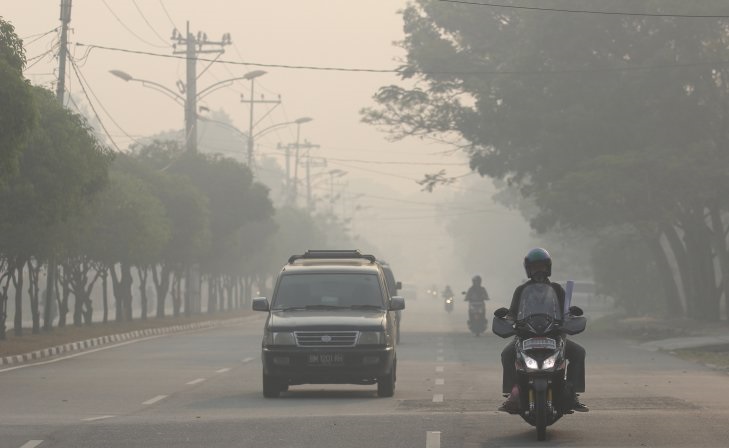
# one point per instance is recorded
(272, 387)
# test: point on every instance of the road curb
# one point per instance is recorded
(685, 343)
(113, 338)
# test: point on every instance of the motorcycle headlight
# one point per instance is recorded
(279, 338)
(531, 363)
(371, 338)
(549, 362)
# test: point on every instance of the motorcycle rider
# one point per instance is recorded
(447, 292)
(538, 267)
(476, 293)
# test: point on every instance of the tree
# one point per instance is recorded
(17, 110)
(623, 126)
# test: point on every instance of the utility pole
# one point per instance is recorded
(252, 101)
(323, 162)
(60, 95)
(194, 46)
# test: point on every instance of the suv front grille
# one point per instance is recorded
(326, 338)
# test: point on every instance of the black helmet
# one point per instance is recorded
(476, 280)
(540, 259)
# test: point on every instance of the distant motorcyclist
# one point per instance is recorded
(447, 292)
(476, 293)
(538, 267)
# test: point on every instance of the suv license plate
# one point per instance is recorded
(326, 359)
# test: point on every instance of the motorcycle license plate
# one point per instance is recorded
(539, 343)
(326, 359)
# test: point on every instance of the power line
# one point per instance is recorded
(586, 11)
(167, 14)
(88, 99)
(425, 72)
(139, 10)
(129, 29)
(38, 36)
(384, 162)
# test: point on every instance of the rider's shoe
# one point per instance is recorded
(579, 407)
(510, 405)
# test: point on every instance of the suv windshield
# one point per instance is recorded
(328, 291)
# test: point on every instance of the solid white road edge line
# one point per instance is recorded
(439, 381)
(439, 369)
(195, 381)
(432, 439)
(75, 355)
(155, 399)
(438, 398)
(440, 350)
(440, 359)
(227, 369)
(93, 419)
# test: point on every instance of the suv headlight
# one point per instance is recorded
(371, 338)
(279, 338)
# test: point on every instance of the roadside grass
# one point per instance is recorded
(16, 345)
(714, 356)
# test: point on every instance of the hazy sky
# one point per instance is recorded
(327, 33)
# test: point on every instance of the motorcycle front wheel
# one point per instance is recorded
(540, 407)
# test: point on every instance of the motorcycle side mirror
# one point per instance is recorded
(463, 292)
(501, 313)
(576, 311)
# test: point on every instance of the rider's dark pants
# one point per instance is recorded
(575, 371)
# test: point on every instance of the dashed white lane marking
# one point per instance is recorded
(195, 381)
(438, 398)
(247, 360)
(440, 343)
(432, 439)
(31, 444)
(440, 350)
(440, 358)
(155, 399)
(439, 381)
(93, 419)
(227, 369)
(439, 369)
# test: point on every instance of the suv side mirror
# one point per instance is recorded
(576, 311)
(397, 303)
(260, 304)
(398, 285)
(501, 313)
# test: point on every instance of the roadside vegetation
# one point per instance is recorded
(617, 141)
(142, 234)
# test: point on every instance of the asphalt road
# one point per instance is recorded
(202, 389)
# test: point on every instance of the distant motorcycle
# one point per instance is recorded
(477, 322)
(449, 304)
(540, 329)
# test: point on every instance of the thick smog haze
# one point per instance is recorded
(351, 35)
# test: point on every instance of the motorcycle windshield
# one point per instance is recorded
(539, 299)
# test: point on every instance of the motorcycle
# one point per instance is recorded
(449, 304)
(541, 329)
(477, 322)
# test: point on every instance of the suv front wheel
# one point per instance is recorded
(386, 384)
(272, 387)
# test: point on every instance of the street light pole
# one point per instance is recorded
(252, 101)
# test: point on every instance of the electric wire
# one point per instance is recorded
(129, 29)
(38, 37)
(91, 104)
(423, 72)
(139, 10)
(586, 11)
(167, 13)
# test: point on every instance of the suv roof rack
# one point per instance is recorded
(329, 254)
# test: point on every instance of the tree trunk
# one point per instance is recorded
(720, 247)
(674, 307)
(176, 290)
(681, 258)
(142, 273)
(188, 291)
(50, 297)
(5, 278)
(63, 297)
(17, 277)
(105, 293)
(162, 286)
(35, 297)
(122, 286)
